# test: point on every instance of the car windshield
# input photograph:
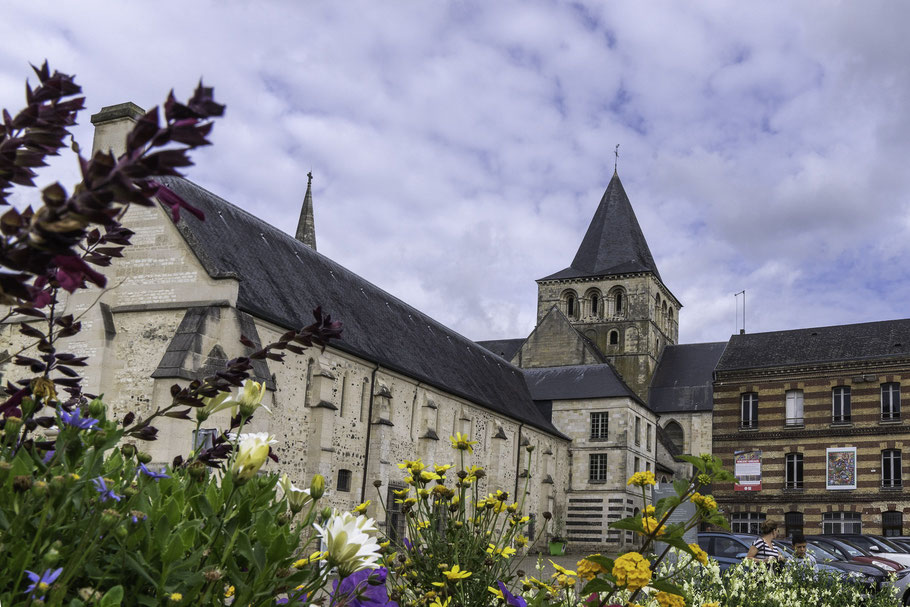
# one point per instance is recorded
(893, 546)
(849, 548)
(869, 544)
(820, 553)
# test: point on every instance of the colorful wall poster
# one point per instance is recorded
(840, 463)
(747, 469)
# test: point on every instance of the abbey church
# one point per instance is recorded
(601, 388)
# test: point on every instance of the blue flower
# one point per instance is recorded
(76, 420)
(511, 599)
(154, 475)
(106, 494)
(364, 588)
(48, 456)
(40, 583)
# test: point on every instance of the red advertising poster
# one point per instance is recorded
(747, 469)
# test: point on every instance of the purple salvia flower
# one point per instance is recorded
(106, 494)
(155, 475)
(76, 420)
(511, 599)
(41, 583)
(48, 456)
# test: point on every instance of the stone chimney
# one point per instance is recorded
(112, 124)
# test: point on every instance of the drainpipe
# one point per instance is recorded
(518, 461)
(366, 454)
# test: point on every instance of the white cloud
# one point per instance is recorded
(460, 150)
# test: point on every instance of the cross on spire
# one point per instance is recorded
(616, 160)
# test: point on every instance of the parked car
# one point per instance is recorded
(727, 549)
(879, 547)
(849, 551)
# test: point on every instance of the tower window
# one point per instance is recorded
(614, 338)
(594, 305)
(344, 480)
(619, 302)
(570, 306)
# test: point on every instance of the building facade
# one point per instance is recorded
(814, 417)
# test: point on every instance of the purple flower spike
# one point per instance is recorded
(76, 420)
(41, 583)
(511, 599)
(151, 474)
(48, 456)
(106, 494)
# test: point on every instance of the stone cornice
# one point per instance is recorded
(828, 433)
(820, 370)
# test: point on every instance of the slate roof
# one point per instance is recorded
(577, 381)
(282, 280)
(614, 243)
(870, 340)
(507, 348)
(684, 377)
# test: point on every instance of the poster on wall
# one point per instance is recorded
(840, 465)
(747, 470)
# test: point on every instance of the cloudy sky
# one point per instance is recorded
(460, 148)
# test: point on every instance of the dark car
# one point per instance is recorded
(727, 549)
(880, 546)
(849, 551)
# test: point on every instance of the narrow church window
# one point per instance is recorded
(344, 480)
(593, 304)
(614, 338)
(570, 306)
(675, 435)
(619, 303)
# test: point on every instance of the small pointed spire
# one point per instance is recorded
(616, 160)
(306, 227)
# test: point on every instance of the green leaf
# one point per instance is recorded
(23, 464)
(278, 549)
(698, 462)
(630, 524)
(112, 598)
(681, 486)
(667, 587)
(666, 503)
(597, 585)
(140, 568)
(174, 549)
(603, 561)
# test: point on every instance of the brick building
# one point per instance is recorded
(823, 408)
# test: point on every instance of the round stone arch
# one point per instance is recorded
(675, 434)
(570, 303)
(594, 302)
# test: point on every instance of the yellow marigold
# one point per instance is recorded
(362, 508)
(422, 524)
(589, 569)
(175, 597)
(456, 573)
(401, 492)
(441, 469)
(521, 541)
(640, 479)
(700, 554)
(632, 570)
(650, 510)
(670, 600)
(229, 592)
(427, 476)
(496, 592)
(460, 441)
(651, 526)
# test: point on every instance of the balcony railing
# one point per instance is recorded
(794, 421)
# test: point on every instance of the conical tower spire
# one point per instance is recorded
(614, 242)
(306, 227)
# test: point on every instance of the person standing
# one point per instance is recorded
(801, 555)
(763, 549)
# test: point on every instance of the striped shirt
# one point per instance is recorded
(765, 550)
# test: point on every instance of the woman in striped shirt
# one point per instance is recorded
(763, 549)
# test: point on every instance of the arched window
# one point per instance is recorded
(670, 320)
(675, 435)
(570, 300)
(616, 302)
(614, 338)
(593, 304)
(663, 315)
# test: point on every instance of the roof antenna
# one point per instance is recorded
(742, 330)
(616, 160)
